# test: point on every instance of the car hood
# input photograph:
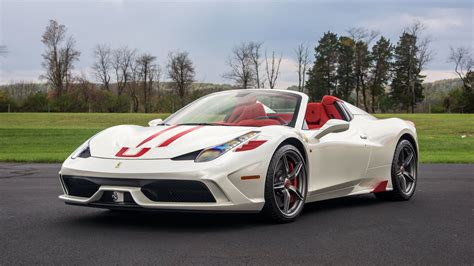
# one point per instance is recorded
(160, 142)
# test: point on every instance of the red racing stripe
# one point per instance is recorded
(156, 135)
(122, 151)
(177, 136)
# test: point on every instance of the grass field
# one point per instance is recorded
(51, 137)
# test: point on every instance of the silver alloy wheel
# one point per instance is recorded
(406, 173)
(289, 183)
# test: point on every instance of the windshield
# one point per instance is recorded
(241, 108)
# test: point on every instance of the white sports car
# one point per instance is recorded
(255, 150)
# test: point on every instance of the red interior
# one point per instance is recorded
(317, 114)
(253, 114)
(328, 102)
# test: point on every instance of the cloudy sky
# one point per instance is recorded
(209, 29)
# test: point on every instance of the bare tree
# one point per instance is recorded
(181, 72)
(424, 53)
(302, 60)
(463, 64)
(3, 50)
(59, 56)
(241, 66)
(133, 83)
(256, 59)
(362, 34)
(147, 72)
(272, 68)
(122, 60)
(21, 90)
(103, 64)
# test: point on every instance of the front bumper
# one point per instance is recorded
(222, 179)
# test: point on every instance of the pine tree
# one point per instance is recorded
(361, 71)
(322, 77)
(406, 88)
(345, 73)
(381, 56)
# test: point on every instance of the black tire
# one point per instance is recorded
(292, 193)
(404, 176)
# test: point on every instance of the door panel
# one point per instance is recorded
(339, 160)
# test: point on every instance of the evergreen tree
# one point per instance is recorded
(345, 73)
(406, 88)
(381, 56)
(322, 77)
(361, 71)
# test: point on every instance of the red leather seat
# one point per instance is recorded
(331, 110)
(246, 115)
(235, 113)
(251, 112)
(315, 115)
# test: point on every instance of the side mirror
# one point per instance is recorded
(331, 126)
(155, 122)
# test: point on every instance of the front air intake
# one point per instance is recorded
(177, 191)
(80, 187)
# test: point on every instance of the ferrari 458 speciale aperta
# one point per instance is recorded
(255, 150)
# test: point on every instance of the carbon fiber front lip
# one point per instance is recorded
(134, 207)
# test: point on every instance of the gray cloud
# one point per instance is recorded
(209, 29)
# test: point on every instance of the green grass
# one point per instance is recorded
(44, 137)
(443, 138)
(51, 137)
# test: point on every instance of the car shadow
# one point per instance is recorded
(202, 222)
(341, 203)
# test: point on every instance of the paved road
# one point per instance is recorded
(436, 227)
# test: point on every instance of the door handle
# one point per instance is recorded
(363, 136)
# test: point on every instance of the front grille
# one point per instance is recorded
(177, 191)
(80, 187)
(155, 190)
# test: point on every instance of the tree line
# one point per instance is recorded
(360, 66)
(385, 76)
(127, 75)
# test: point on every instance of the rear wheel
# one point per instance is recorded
(404, 173)
(285, 185)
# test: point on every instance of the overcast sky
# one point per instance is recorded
(209, 29)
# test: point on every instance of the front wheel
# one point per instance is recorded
(404, 173)
(285, 185)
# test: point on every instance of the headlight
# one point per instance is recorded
(212, 153)
(83, 151)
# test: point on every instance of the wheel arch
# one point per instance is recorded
(298, 144)
(411, 139)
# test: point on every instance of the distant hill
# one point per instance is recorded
(435, 94)
(445, 85)
(431, 88)
(20, 91)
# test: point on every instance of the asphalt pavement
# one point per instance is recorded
(435, 227)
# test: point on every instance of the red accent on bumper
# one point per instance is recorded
(381, 187)
(249, 177)
(253, 144)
